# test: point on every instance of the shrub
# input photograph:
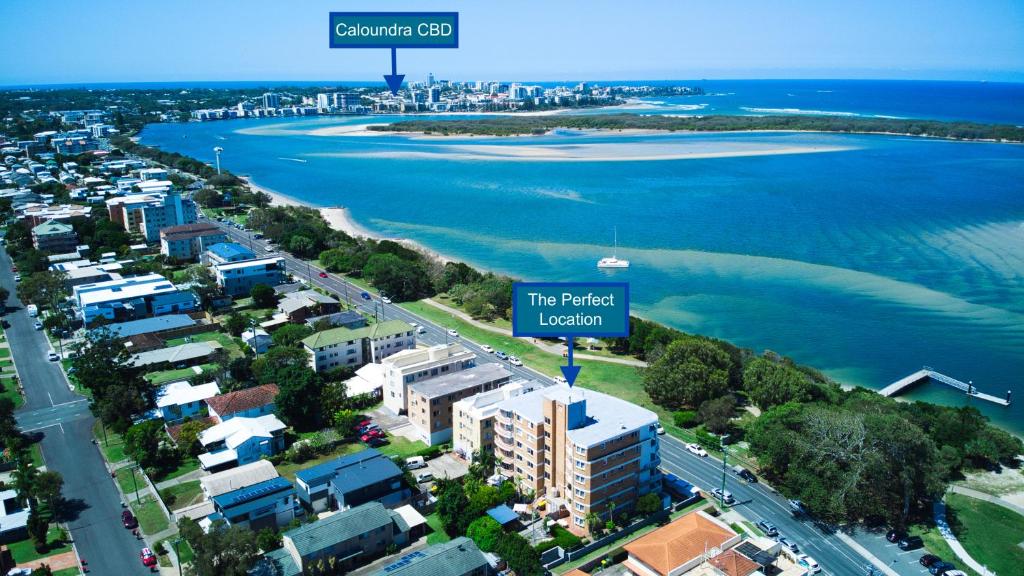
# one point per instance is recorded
(685, 418)
(168, 496)
(430, 452)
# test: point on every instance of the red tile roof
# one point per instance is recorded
(242, 400)
(734, 564)
(175, 430)
(675, 544)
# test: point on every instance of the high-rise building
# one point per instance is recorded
(592, 452)
(323, 101)
(271, 100)
(433, 95)
(345, 100)
(430, 80)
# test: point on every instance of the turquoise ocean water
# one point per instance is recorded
(868, 260)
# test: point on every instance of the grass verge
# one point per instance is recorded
(151, 516)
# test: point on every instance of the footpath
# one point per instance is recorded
(556, 349)
(939, 512)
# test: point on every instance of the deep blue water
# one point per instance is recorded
(867, 262)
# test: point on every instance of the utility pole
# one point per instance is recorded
(725, 458)
(255, 342)
(177, 554)
(135, 482)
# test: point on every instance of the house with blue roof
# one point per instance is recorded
(267, 504)
(352, 480)
(225, 252)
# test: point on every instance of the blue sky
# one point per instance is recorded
(50, 41)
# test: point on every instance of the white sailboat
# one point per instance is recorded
(612, 261)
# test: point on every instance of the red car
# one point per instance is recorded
(361, 425)
(128, 519)
(323, 274)
(148, 558)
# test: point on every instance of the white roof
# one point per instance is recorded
(411, 516)
(237, 478)
(366, 380)
(123, 289)
(248, 263)
(238, 430)
(210, 459)
(181, 392)
(180, 353)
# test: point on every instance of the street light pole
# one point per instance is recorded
(177, 554)
(135, 482)
(725, 458)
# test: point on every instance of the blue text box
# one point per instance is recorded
(394, 29)
(554, 309)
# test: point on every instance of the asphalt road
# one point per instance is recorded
(61, 417)
(756, 502)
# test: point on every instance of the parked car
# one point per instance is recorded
(424, 477)
(954, 573)
(362, 425)
(768, 528)
(52, 356)
(929, 559)
(894, 535)
(809, 563)
(724, 495)
(501, 355)
(148, 558)
(910, 543)
(787, 543)
(17, 277)
(365, 295)
(696, 450)
(323, 274)
(487, 348)
(515, 361)
(415, 463)
(376, 441)
(453, 332)
(38, 325)
(128, 520)
(940, 567)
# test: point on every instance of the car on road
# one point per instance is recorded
(809, 563)
(560, 380)
(724, 495)
(787, 543)
(365, 295)
(796, 507)
(128, 520)
(929, 559)
(385, 299)
(515, 361)
(910, 543)
(745, 474)
(415, 463)
(17, 277)
(501, 355)
(323, 274)
(768, 528)
(660, 430)
(421, 330)
(269, 248)
(38, 325)
(52, 356)
(148, 558)
(453, 332)
(696, 450)
(424, 477)
(487, 348)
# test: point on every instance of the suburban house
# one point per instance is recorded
(226, 481)
(241, 440)
(55, 237)
(238, 278)
(132, 298)
(180, 356)
(431, 401)
(347, 540)
(458, 557)
(303, 304)
(179, 400)
(680, 546)
(367, 380)
(257, 340)
(187, 241)
(13, 517)
(410, 366)
(248, 402)
(589, 451)
(267, 504)
(339, 347)
(352, 480)
(473, 418)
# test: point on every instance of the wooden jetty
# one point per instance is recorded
(927, 374)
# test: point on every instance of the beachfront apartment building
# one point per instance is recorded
(238, 278)
(340, 347)
(187, 241)
(591, 451)
(410, 366)
(159, 206)
(473, 418)
(431, 401)
(131, 298)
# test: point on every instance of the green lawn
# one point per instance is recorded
(184, 494)
(190, 464)
(36, 452)
(166, 376)
(112, 447)
(23, 550)
(401, 446)
(185, 553)
(437, 534)
(67, 572)
(128, 478)
(991, 534)
(151, 516)
(288, 469)
(5, 352)
(10, 390)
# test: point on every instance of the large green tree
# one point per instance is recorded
(771, 383)
(298, 401)
(120, 395)
(400, 279)
(223, 551)
(689, 372)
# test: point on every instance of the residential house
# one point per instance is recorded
(352, 480)
(237, 478)
(132, 298)
(347, 540)
(473, 423)
(590, 451)
(179, 400)
(181, 356)
(411, 366)
(431, 401)
(238, 278)
(55, 237)
(241, 440)
(303, 304)
(247, 402)
(680, 546)
(187, 241)
(340, 347)
(267, 504)
(13, 517)
(257, 340)
(457, 557)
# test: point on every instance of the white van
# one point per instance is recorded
(33, 310)
(415, 463)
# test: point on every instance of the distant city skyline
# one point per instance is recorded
(105, 41)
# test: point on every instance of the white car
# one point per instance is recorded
(660, 430)
(415, 463)
(487, 349)
(38, 325)
(385, 299)
(17, 277)
(421, 330)
(560, 380)
(515, 361)
(809, 563)
(424, 477)
(696, 450)
(453, 332)
(52, 356)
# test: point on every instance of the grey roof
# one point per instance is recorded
(276, 563)
(462, 380)
(341, 527)
(366, 473)
(181, 353)
(147, 325)
(458, 557)
(326, 470)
